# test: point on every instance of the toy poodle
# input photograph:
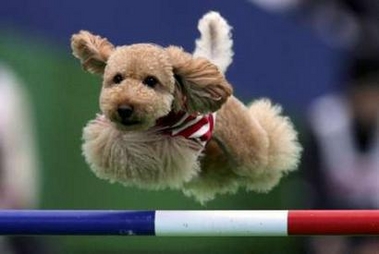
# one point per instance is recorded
(169, 120)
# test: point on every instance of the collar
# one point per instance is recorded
(196, 127)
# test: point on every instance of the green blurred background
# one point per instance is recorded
(64, 98)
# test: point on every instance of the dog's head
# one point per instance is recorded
(144, 82)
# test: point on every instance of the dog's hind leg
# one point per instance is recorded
(283, 153)
(260, 143)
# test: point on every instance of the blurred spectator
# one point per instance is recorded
(18, 165)
(341, 154)
(19, 178)
(341, 157)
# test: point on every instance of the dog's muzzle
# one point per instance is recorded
(125, 113)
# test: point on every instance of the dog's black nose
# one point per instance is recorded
(125, 112)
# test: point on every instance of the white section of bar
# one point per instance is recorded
(221, 223)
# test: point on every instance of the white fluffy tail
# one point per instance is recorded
(215, 42)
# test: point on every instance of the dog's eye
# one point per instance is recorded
(150, 81)
(117, 78)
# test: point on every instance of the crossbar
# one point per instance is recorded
(190, 223)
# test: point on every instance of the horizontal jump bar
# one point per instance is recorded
(190, 223)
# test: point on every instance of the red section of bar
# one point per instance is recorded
(333, 222)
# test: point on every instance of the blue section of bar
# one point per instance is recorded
(78, 222)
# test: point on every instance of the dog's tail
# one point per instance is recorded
(215, 42)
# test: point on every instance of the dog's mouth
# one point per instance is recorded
(130, 122)
(126, 122)
(130, 125)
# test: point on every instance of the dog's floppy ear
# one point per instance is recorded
(92, 50)
(200, 86)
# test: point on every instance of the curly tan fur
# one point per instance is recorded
(251, 147)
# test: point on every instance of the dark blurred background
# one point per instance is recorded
(282, 51)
